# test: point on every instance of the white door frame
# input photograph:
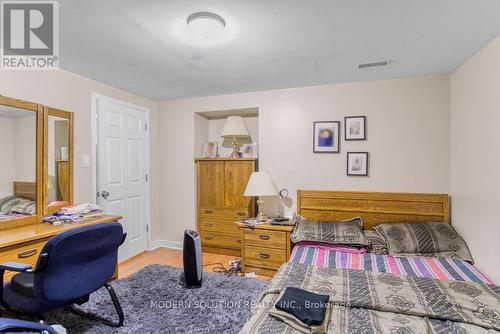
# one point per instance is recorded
(94, 126)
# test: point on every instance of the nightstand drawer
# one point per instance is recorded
(265, 238)
(233, 214)
(264, 257)
(220, 240)
(260, 271)
(215, 226)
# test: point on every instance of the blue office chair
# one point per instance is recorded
(14, 326)
(70, 267)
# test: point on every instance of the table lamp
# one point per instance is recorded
(235, 128)
(260, 185)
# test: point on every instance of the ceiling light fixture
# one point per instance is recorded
(205, 29)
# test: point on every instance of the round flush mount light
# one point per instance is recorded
(204, 29)
(206, 19)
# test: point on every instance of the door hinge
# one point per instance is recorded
(146, 126)
(147, 228)
(147, 177)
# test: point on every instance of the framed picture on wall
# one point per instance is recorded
(357, 163)
(326, 137)
(355, 128)
(210, 150)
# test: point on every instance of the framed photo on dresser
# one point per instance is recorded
(326, 137)
(355, 128)
(210, 150)
(357, 163)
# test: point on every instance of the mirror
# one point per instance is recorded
(59, 164)
(18, 169)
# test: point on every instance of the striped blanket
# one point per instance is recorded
(429, 267)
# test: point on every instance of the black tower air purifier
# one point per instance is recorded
(193, 268)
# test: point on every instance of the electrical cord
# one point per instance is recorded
(219, 268)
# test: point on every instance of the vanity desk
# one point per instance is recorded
(37, 178)
(24, 244)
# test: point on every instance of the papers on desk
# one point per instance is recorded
(251, 222)
(74, 213)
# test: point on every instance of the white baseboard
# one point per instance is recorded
(166, 244)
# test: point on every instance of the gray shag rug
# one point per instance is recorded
(154, 302)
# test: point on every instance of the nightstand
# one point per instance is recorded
(265, 248)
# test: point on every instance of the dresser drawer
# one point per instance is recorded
(263, 238)
(232, 214)
(25, 253)
(215, 226)
(264, 257)
(220, 240)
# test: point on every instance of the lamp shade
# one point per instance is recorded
(260, 184)
(235, 127)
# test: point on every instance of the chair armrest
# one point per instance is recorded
(14, 325)
(14, 266)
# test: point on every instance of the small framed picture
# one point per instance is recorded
(249, 151)
(210, 150)
(355, 128)
(326, 137)
(357, 163)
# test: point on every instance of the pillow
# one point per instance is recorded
(7, 203)
(347, 232)
(424, 239)
(376, 243)
(25, 206)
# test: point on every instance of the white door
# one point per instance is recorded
(122, 162)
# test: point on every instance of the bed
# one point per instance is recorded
(24, 192)
(384, 294)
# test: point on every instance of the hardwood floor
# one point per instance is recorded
(169, 257)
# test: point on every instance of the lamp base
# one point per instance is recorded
(260, 216)
(235, 154)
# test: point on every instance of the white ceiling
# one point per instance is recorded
(132, 45)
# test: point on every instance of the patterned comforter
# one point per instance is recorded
(373, 302)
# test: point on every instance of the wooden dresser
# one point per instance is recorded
(221, 183)
(23, 244)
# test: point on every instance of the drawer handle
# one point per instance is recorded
(209, 224)
(27, 253)
(264, 237)
(209, 211)
(238, 241)
(208, 237)
(241, 214)
(264, 255)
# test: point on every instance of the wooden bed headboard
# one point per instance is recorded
(374, 207)
(25, 190)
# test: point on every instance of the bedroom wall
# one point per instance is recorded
(18, 139)
(71, 92)
(474, 155)
(408, 139)
(25, 149)
(8, 166)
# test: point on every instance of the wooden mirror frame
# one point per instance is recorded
(38, 109)
(48, 111)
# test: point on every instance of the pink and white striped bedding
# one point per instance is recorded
(439, 268)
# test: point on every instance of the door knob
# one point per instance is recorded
(104, 194)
